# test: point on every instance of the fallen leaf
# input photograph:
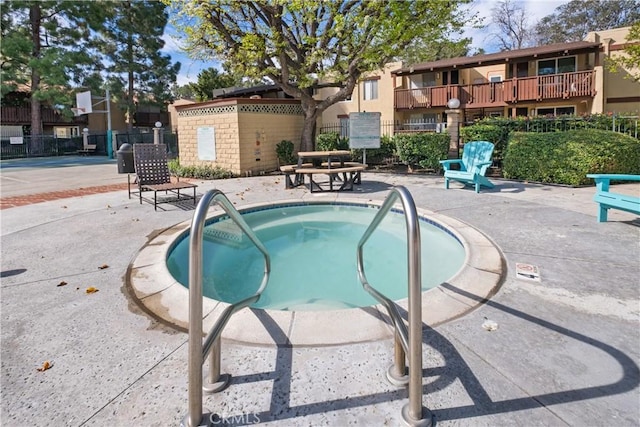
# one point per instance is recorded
(108, 206)
(103, 266)
(64, 207)
(62, 283)
(91, 290)
(46, 365)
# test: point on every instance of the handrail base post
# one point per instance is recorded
(221, 384)
(397, 374)
(397, 379)
(427, 419)
(205, 421)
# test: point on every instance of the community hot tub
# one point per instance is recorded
(314, 296)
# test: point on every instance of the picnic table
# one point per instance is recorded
(332, 163)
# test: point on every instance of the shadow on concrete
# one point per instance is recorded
(456, 369)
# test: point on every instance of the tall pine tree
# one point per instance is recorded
(131, 42)
(44, 48)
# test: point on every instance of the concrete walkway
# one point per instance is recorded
(566, 350)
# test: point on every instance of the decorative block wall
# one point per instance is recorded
(246, 132)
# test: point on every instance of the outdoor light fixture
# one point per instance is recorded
(453, 103)
(156, 133)
(85, 130)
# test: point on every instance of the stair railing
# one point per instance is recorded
(197, 349)
(413, 413)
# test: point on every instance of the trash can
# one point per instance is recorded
(125, 159)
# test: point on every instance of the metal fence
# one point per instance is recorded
(622, 124)
(41, 146)
(388, 127)
(51, 146)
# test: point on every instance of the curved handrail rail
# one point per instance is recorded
(411, 341)
(198, 350)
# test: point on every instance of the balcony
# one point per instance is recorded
(499, 94)
(149, 119)
(49, 116)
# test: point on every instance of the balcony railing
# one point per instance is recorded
(482, 95)
(49, 116)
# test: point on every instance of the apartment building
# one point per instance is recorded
(558, 79)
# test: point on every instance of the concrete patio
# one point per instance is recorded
(566, 351)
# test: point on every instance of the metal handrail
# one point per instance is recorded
(198, 350)
(405, 343)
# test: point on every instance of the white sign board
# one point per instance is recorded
(16, 140)
(206, 143)
(364, 130)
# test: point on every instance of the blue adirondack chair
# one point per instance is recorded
(475, 161)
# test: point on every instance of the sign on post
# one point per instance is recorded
(364, 130)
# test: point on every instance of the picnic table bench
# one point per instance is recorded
(351, 174)
(609, 200)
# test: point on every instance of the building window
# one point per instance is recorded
(370, 90)
(555, 111)
(557, 66)
(495, 79)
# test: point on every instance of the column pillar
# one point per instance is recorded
(453, 126)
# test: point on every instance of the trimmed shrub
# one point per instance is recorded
(377, 155)
(423, 149)
(567, 157)
(200, 172)
(331, 141)
(284, 151)
(498, 135)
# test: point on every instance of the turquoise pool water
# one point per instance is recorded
(313, 257)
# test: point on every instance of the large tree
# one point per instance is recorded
(296, 44)
(572, 21)
(44, 49)
(513, 30)
(426, 51)
(131, 42)
(211, 79)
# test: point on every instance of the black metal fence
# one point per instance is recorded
(42, 146)
(171, 139)
(51, 146)
(388, 127)
(616, 123)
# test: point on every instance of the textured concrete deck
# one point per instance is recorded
(566, 350)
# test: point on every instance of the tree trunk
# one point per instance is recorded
(307, 141)
(35, 16)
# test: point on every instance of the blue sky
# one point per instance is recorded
(536, 9)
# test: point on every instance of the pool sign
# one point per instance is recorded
(364, 130)
(527, 272)
(206, 143)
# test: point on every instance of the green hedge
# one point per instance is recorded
(331, 141)
(201, 172)
(566, 157)
(498, 135)
(377, 155)
(423, 149)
